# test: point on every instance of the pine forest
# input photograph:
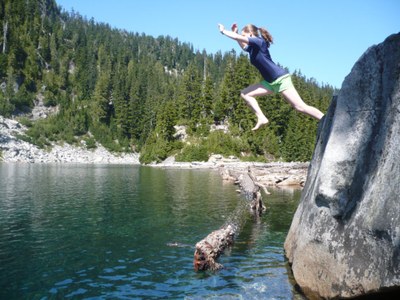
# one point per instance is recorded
(129, 91)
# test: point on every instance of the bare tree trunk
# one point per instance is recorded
(211, 247)
(5, 30)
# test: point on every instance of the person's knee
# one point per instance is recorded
(243, 94)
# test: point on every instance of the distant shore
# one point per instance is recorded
(265, 174)
(15, 150)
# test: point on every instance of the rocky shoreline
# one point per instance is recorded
(15, 150)
(278, 174)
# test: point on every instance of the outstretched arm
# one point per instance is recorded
(242, 40)
(234, 28)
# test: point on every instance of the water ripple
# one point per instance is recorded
(101, 232)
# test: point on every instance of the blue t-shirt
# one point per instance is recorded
(261, 59)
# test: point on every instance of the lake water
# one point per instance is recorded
(102, 232)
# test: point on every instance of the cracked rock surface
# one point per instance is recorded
(344, 240)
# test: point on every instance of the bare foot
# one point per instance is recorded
(260, 123)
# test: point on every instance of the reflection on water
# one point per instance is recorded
(102, 232)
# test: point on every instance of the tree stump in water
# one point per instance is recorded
(211, 247)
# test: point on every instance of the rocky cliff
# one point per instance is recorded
(344, 240)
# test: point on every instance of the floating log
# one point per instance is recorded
(211, 247)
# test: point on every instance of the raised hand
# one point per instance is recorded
(234, 27)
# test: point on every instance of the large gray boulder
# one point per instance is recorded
(344, 240)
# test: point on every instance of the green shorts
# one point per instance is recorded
(280, 84)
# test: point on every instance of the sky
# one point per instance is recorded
(320, 38)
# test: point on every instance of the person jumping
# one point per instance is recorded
(256, 42)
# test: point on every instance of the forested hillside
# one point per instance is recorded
(128, 90)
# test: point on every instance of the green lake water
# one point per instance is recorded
(102, 232)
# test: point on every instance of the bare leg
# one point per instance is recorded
(249, 94)
(293, 98)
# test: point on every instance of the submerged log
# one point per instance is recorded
(211, 247)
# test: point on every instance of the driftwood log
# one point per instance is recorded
(211, 247)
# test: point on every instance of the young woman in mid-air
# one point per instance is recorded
(256, 41)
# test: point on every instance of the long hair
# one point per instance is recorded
(250, 28)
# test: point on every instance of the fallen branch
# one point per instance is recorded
(211, 247)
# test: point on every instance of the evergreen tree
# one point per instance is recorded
(228, 94)
(190, 97)
(131, 89)
(208, 95)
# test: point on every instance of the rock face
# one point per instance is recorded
(344, 240)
